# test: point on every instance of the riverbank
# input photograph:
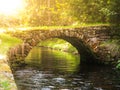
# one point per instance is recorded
(6, 77)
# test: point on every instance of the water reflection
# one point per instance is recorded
(47, 59)
(47, 69)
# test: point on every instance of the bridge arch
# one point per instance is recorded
(87, 40)
(75, 39)
(86, 54)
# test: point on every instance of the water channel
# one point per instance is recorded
(48, 69)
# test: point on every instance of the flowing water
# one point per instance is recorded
(47, 69)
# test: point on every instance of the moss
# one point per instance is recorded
(113, 46)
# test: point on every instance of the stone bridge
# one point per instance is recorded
(89, 41)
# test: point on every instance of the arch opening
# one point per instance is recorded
(59, 44)
(58, 56)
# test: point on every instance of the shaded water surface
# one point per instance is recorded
(48, 69)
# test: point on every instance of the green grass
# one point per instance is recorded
(66, 27)
(75, 25)
(7, 84)
(6, 41)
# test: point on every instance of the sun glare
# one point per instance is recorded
(8, 7)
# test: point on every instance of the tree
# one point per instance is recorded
(90, 11)
(46, 12)
(115, 12)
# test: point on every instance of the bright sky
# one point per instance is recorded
(9, 7)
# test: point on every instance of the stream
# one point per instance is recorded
(48, 69)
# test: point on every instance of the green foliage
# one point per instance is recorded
(6, 41)
(90, 11)
(5, 85)
(46, 13)
(118, 65)
(59, 44)
(115, 12)
(64, 13)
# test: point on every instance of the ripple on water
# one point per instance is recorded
(53, 75)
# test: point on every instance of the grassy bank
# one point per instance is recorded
(6, 41)
(6, 77)
(7, 81)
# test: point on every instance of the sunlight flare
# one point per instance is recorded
(8, 7)
(2, 57)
